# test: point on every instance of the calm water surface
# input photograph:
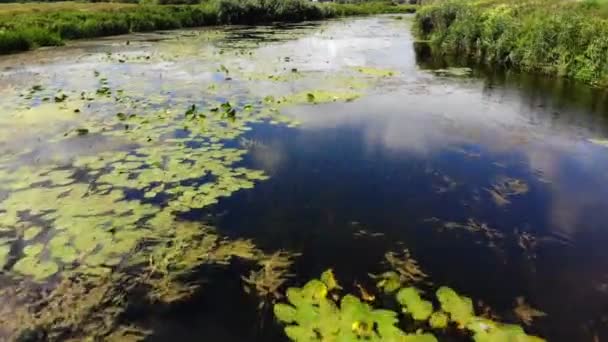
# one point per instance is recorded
(420, 149)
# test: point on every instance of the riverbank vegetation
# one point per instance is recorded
(561, 38)
(26, 26)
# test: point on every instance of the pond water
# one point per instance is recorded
(334, 142)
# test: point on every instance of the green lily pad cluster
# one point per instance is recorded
(312, 315)
(78, 214)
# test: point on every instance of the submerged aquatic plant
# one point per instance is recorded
(76, 307)
(311, 315)
(506, 187)
(404, 271)
(525, 312)
(270, 277)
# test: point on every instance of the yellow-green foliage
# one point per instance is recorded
(311, 314)
(564, 38)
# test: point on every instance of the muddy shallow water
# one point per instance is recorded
(494, 182)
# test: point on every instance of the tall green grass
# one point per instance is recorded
(26, 30)
(558, 38)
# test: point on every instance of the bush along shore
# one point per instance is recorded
(21, 31)
(560, 38)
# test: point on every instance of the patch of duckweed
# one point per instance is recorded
(316, 313)
(376, 72)
(319, 96)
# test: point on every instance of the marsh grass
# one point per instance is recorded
(27, 26)
(562, 38)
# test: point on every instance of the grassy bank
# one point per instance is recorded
(26, 26)
(555, 37)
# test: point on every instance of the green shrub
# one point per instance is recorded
(14, 41)
(566, 40)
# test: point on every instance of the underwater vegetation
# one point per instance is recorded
(319, 312)
(561, 38)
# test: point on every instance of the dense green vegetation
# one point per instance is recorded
(24, 29)
(564, 38)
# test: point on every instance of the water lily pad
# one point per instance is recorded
(460, 308)
(329, 280)
(4, 254)
(37, 269)
(31, 233)
(413, 304)
(376, 71)
(33, 250)
(438, 320)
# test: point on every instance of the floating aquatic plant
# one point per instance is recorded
(413, 304)
(311, 315)
(375, 71)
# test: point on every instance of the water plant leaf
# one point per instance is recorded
(329, 280)
(375, 71)
(488, 331)
(31, 232)
(33, 250)
(34, 267)
(311, 316)
(459, 308)
(438, 320)
(388, 281)
(285, 313)
(4, 254)
(413, 304)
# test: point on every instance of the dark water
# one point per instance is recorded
(385, 163)
(415, 152)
